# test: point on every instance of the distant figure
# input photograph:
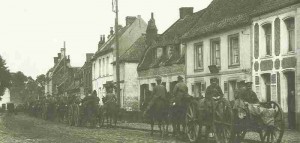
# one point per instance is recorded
(291, 110)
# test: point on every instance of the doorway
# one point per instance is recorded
(267, 82)
(144, 91)
(232, 89)
(290, 78)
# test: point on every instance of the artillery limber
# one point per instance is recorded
(227, 124)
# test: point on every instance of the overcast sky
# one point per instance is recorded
(32, 31)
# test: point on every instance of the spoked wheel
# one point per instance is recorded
(273, 133)
(192, 127)
(223, 122)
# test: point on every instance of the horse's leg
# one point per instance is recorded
(159, 126)
(152, 125)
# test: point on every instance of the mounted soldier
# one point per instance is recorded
(249, 95)
(159, 92)
(180, 90)
(213, 91)
(111, 107)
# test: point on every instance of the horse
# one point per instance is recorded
(110, 110)
(158, 112)
(177, 114)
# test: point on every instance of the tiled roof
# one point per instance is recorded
(181, 26)
(227, 14)
(170, 37)
(136, 51)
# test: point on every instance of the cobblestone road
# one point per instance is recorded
(24, 129)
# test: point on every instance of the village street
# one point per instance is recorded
(24, 129)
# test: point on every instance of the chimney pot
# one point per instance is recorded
(130, 20)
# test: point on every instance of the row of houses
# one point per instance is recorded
(230, 40)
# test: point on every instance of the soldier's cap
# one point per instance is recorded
(242, 82)
(249, 83)
(214, 80)
(158, 78)
(180, 77)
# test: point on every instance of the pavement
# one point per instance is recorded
(24, 129)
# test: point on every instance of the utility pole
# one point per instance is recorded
(117, 52)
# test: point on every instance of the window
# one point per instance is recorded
(94, 70)
(103, 66)
(99, 67)
(234, 50)
(198, 56)
(268, 37)
(159, 52)
(290, 25)
(107, 65)
(169, 51)
(215, 52)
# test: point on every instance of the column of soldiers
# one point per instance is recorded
(213, 92)
(62, 108)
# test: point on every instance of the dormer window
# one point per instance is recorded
(268, 38)
(169, 51)
(159, 52)
(290, 25)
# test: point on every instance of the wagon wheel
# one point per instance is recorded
(273, 133)
(76, 116)
(223, 122)
(192, 127)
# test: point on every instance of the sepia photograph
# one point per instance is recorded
(150, 71)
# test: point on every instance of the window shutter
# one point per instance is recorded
(277, 36)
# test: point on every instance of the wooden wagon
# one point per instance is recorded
(225, 126)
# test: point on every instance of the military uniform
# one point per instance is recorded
(159, 92)
(213, 91)
(249, 95)
(180, 91)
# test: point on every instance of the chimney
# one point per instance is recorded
(55, 60)
(111, 31)
(130, 20)
(63, 51)
(184, 11)
(89, 56)
(101, 42)
(58, 56)
(151, 32)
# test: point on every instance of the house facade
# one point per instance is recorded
(103, 70)
(275, 43)
(257, 44)
(165, 54)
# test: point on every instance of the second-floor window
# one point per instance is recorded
(100, 67)
(268, 38)
(107, 65)
(215, 52)
(290, 25)
(103, 67)
(198, 56)
(234, 50)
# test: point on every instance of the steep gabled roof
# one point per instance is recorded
(108, 46)
(227, 14)
(170, 37)
(135, 52)
(173, 34)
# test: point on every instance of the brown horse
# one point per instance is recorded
(158, 112)
(110, 111)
